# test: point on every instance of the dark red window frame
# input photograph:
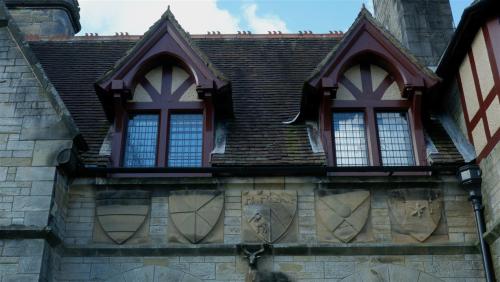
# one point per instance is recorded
(163, 105)
(370, 104)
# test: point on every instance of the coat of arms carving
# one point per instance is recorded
(268, 215)
(343, 215)
(121, 213)
(195, 213)
(415, 212)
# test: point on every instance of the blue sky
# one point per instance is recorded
(228, 16)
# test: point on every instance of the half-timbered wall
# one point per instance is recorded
(479, 85)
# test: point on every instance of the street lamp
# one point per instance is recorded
(470, 178)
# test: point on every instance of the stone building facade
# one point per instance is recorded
(281, 157)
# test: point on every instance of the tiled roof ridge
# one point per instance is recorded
(193, 36)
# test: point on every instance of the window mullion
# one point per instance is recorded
(162, 145)
(373, 145)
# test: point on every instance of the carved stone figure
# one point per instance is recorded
(415, 212)
(121, 213)
(389, 272)
(342, 215)
(195, 214)
(268, 215)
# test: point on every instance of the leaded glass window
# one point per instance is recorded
(350, 139)
(185, 140)
(141, 142)
(395, 139)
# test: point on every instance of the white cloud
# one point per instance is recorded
(264, 23)
(135, 17)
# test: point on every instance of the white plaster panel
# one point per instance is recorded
(483, 66)
(155, 78)
(344, 94)
(479, 137)
(392, 93)
(178, 77)
(493, 115)
(141, 95)
(471, 100)
(378, 75)
(354, 75)
(190, 95)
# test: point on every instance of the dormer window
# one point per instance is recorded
(164, 120)
(367, 96)
(162, 98)
(370, 120)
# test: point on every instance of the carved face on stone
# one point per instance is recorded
(269, 213)
(415, 212)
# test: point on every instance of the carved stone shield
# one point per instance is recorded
(195, 213)
(415, 212)
(344, 215)
(122, 213)
(269, 213)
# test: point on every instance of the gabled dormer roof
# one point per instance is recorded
(165, 40)
(165, 37)
(367, 36)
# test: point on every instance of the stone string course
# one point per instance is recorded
(461, 268)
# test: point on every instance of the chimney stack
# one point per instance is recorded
(424, 27)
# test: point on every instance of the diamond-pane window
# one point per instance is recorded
(185, 140)
(141, 142)
(350, 139)
(395, 139)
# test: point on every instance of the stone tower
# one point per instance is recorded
(423, 26)
(46, 17)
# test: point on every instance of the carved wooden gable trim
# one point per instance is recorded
(166, 42)
(366, 41)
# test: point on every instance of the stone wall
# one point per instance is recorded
(89, 253)
(43, 22)
(457, 219)
(33, 130)
(490, 167)
(21, 260)
(27, 149)
(298, 268)
(424, 27)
